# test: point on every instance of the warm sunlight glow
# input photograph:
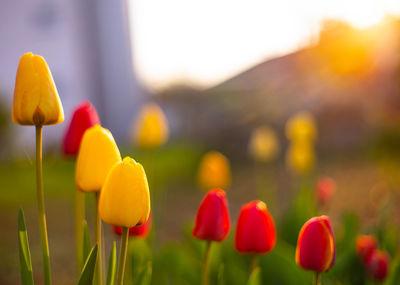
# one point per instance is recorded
(364, 18)
(205, 42)
(365, 21)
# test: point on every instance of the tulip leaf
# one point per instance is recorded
(24, 252)
(112, 265)
(88, 269)
(144, 275)
(255, 277)
(87, 245)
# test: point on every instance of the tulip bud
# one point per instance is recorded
(212, 219)
(97, 154)
(324, 189)
(316, 246)
(378, 265)
(301, 127)
(139, 231)
(214, 171)
(365, 247)
(84, 117)
(255, 230)
(124, 198)
(151, 127)
(300, 157)
(263, 145)
(36, 100)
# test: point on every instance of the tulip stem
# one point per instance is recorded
(79, 217)
(254, 263)
(122, 255)
(316, 278)
(99, 267)
(41, 209)
(206, 265)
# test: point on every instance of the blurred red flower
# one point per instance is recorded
(84, 117)
(378, 265)
(365, 247)
(212, 219)
(138, 231)
(325, 188)
(255, 230)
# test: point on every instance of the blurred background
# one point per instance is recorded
(218, 70)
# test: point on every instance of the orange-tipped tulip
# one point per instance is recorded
(36, 100)
(98, 153)
(212, 219)
(316, 245)
(214, 171)
(124, 198)
(378, 265)
(255, 230)
(139, 231)
(365, 247)
(151, 127)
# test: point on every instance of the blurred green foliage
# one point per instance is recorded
(157, 260)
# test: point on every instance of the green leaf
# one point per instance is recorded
(112, 265)
(144, 276)
(87, 245)
(24, 252)
(88, 270)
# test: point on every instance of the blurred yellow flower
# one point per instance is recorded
(98, 152)
(301, 126)
(263, 145)
(214, 171)
(36, 100)
(300, 157)
(124, 198)
(151, 127)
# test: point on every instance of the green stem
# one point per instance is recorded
(79, 218)
(122, 256)
(316, 278)
(99, 266)
(254, 263)
(41, 210)
(206, 265)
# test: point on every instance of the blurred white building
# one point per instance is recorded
(88, 48)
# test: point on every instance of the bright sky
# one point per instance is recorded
(207, 41)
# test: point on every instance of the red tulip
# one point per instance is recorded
(378, 265)
(365, 247)
(212, 219)
(316, 245)
(84, 117)
(324, 189)
(138, 231)
(255, 230)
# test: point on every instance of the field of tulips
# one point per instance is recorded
(164, 212)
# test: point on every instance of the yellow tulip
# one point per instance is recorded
(302, 127)
(124, 198)
(263, 145)
(98, 152)
(151, 127)
(300, 157)
(214, 171)
(36, 100)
